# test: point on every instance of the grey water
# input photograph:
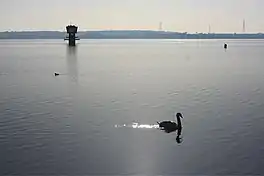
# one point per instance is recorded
(98, 117)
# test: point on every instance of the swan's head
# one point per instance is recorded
(179, 115)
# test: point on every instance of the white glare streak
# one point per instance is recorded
(138, 126)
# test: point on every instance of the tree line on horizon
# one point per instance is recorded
(127, 34)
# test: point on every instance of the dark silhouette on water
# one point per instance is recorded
(71, 31)
(225, 46)
(56, 74)
(170, 126)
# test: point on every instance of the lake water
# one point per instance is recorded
(81, 122)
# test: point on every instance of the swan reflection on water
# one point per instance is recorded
(166, 126)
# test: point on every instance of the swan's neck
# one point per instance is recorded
(179, 122)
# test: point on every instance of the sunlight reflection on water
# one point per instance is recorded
(138, 126)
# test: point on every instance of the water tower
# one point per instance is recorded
(71, 34)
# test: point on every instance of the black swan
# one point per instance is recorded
(170, 126)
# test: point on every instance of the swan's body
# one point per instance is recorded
(170, 126)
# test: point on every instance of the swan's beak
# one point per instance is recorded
(181, 116)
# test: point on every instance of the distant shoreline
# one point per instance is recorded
(1, 39)
(128, 34)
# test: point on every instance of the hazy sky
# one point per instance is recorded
(176, 15)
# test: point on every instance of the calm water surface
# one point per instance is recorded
(83, 121)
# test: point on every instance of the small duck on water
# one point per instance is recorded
(225, 46)
(56, 74)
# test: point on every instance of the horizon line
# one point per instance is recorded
(146, 30)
